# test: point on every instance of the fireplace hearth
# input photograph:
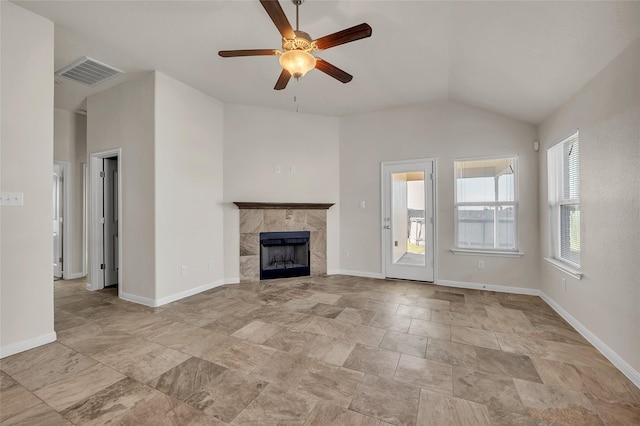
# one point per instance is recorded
(284, 254)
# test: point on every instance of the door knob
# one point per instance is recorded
(387, 227)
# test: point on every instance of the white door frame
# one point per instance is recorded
(383, 200)
(67, 217)
(96, 243)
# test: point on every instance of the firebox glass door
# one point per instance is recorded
(407, 221)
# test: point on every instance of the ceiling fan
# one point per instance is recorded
(296, 58)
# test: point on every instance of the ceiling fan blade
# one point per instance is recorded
(282, 80)
(275, 12)
(344, 36)
(247, 52)
(333, 71)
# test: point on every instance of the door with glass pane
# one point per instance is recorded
(407, 222)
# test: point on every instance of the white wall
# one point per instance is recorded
(446, 131)
(26, 151)
(70, 144)
(607, 113)
(188, 188)
(122, 117)
(255, 141)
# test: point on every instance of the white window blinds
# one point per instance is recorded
(563, 162)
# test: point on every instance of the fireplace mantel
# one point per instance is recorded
(288, 206)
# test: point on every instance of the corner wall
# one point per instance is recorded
(607, 299)
(255, 141)
(122, 117)
(70, 144)
(26, 155)
(445, 131)
(188, 189)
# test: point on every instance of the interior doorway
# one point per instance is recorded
(61, 211)
(408, 220)
(105, 212)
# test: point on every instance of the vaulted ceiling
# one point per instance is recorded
(521, 59)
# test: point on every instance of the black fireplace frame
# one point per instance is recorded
(296, 238)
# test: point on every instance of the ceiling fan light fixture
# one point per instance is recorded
(297, 62)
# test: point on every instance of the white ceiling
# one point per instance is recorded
(521, 59)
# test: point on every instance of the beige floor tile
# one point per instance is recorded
(76, 387)
(330, 350)
(424, 373)
(414, 312)
(391, 322)
(326, 414)
(452, 353)
(163, 409)
(430, 329)
(110, 404)
(39, 415)
(14, 400)
(330, 383)
(617, 413)
(495, 391)
(284, 369)
(557, 405)
(257, 332)
(276, 406)
(437, 409)
(370, 360)
(356, 316)
(451, 318)
(405, 343)
(475, 337)
(187, 378)
(227, 395)
(387, 400)
(507, 364)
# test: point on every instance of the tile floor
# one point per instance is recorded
(330, 350)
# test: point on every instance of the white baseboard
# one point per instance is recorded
(604, 349)
(74, 275)
(356, 273)
(25, 345)
(235, 280)
(146, 301)
(187, 293)
(489, 287)
(154, 303)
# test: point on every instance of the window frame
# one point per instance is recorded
(495, 251)
(558, 171)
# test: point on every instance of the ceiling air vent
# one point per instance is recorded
(89, 72)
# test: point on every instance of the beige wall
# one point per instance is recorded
(188, 188)
(70, 145)
(26, 152)
(255, 141)
(445, 131)
(607, 113)
(122, 117)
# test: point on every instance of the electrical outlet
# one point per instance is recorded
(183, 270)
(211, 264)
(564, 285)
(292, 169)
(363, 204)
(278, 168)
(480, 264)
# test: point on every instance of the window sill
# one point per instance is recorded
(575, 273)
(487, 252)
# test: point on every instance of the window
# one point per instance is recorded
(563, 162)
(486, 204)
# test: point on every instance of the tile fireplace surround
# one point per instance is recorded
(277, 217)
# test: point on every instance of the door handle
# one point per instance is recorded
(387, 227)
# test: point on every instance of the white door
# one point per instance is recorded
(110, 211)
(57, 220)
(408, 217)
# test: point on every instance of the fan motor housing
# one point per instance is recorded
(302, 41)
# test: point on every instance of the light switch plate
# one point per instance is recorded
(15, 199)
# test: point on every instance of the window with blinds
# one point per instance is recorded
(486, 204)
(563, 163)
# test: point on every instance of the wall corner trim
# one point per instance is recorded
(25, 345)
(604, 349)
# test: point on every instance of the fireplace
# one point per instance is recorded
(284, 254)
